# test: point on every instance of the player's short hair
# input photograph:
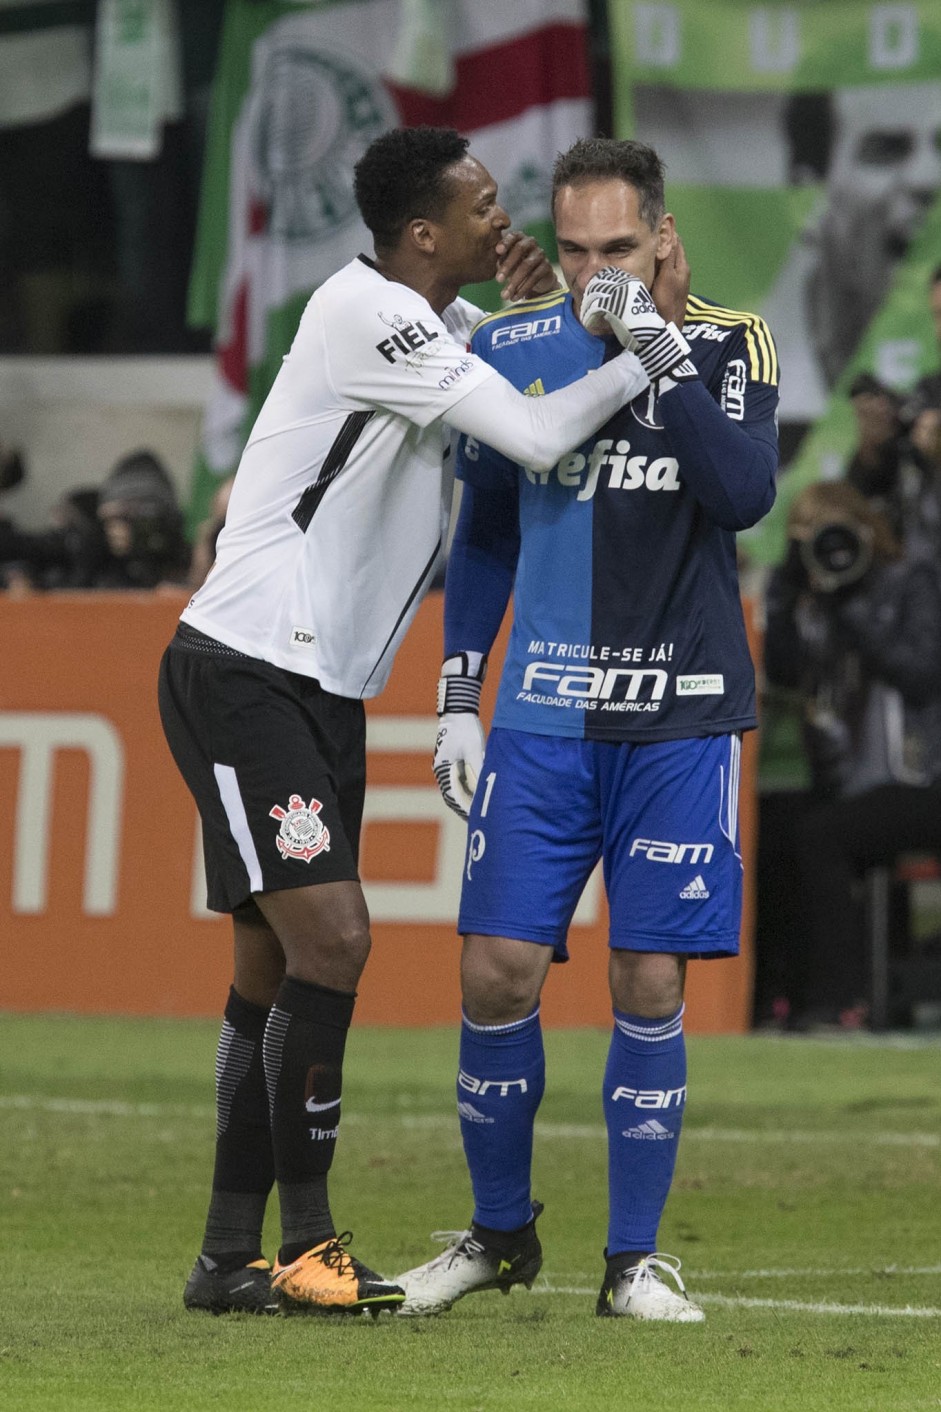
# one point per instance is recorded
(402, 176)
(594, 158)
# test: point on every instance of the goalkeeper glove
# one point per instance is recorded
(459, 748)
(621, 302)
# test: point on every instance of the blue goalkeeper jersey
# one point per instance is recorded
(627, 618)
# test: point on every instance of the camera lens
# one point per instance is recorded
(837, 554)
(836, 548)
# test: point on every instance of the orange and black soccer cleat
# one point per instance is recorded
(328, 1280)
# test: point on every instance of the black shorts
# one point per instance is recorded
(277, 767)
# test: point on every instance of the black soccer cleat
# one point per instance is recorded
(243, 1290)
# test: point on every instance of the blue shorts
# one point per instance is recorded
(663, 817)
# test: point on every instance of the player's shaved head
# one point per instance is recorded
(403, 176)
(609, 158)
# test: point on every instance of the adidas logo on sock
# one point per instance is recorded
(696, 890)
(472, 1114)
(651, 1131)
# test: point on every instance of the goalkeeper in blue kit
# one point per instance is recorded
(617, 728)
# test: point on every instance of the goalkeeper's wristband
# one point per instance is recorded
(666, 354)
(462, 677)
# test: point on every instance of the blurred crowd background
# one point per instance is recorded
(175, 179)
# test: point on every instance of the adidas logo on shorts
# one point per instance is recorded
(696, 891)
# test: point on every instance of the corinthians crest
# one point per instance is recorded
(302, 834)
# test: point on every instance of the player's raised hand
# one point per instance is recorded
(670, 288)
(523, 270)
(617, 302)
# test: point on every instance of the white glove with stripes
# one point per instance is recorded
(459, 748)
(620, 303)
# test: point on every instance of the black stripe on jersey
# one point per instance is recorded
(405, 607)
(334, 461)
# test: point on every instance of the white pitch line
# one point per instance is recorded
(827, 1273)
(805, 1306)
(597, 1132)
(594, 1132)
(819, 1274)
(97, 1107)
(907, 1311)
(104, 1107)
(785, 1136)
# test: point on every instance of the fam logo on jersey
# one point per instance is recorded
(525, 332)
(313, 115)
(734, 383)
(302, 834)
(628, 689)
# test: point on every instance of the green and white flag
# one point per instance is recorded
(138, 84)
(301, 91)
(803, 147)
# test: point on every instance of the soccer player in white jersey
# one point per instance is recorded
(331, 539)
(616, 734)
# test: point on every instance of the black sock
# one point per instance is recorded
(244, 1169)
(304, 1043)
(624, 1260)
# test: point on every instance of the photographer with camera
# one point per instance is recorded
(853, 626)
(71, 553)
(64, 555)
(129, 533)
(143, 525)
(892, 464)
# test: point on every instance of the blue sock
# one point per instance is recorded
(499, 1088)
(644, 1098)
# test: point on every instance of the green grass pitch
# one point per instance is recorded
(805, 1209)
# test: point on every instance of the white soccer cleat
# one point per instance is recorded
(468, 1265)
(639, 1292)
